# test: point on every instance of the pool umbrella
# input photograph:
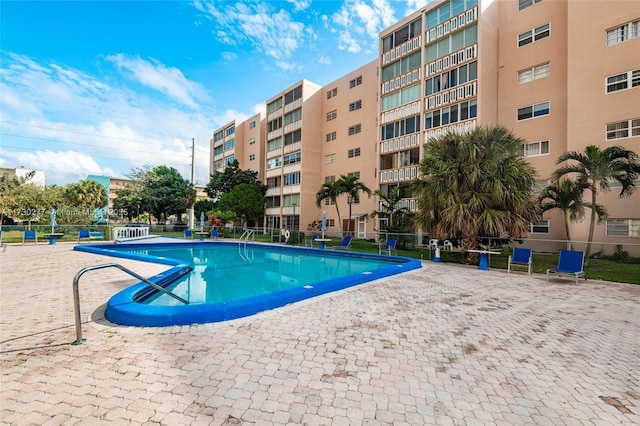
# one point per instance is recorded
(324, 223)
(52, 218)
(202, 220)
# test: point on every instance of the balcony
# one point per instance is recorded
(462, 127)
(408, 204)
(399, 175)
(447, 96)
(401, 50)
(398, 144)
(452, 24)
(401, 81)
(400, 112)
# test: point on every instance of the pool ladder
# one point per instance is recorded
(245, 236)
(76, 293)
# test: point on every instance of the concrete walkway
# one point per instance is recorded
(444, 345)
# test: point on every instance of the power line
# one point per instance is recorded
(79, 133)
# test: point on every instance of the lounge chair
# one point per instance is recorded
(214, 234)
(571, 263)
(447, 245)
(521, 257)
(389, 247)
(29, 236)
(84, 234)
(345, 244)
(188, 234)
(312, 241)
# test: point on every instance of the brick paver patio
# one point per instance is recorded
(444, 345)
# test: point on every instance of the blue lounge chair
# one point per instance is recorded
(521, 257)
(29, 236)
(214, 234)
(312, 241)
(188, 234)
(345, 244)
(571, 263)
(84, 233)
(389, 246)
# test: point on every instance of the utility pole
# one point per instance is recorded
(193, 181)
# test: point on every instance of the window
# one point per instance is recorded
(252, 141)
(292, 158)
(328, 159)
(332, 115)
(217, 165)
(229, 144)
(401, 66)
(623, 129)
(252, 125)
(400, 128)
(273, 163)
(623, 227)
(273, 182)
(229, 160)
(218, 136)
(293, 116)
(401, 35)
(355, 105)
(535, 34)
(231, 130)
(354, 153)
(331, 136)
(293, 95)
(291, 200)
(355, 82)
(252, 157)
(451, 78)
(274, 124)
(452, 43)
(523, 4)
(622, 33)
(401, 97)
(292, 179)
(274, 144)
(535, 148)
(355, 129)
(534, 73)
(452, 114)
(533, 111)
(293, 137)
(451, 8)
(541, 227)
(218, 150)
(331, 178)
(333, 92)
(621, 81)
(273, 201)
(274, 106)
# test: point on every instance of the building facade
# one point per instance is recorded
(562, 75)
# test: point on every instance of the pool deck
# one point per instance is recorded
(443, 345)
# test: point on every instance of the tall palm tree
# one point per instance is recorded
(350, 184)
(564, 195)
(329, 190)
(596, 168)
(475, 184)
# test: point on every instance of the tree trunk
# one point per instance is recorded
(566, 227)
(591, 225)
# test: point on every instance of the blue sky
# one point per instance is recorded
(89, 87)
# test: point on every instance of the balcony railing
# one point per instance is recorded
(399, 143)
(401, 50)
(399, 175)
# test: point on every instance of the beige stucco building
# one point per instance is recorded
(561, 74)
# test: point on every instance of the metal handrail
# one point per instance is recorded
(76, 293)
(245, 236)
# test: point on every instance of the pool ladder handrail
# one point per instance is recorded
(245, 236)
(76, 293)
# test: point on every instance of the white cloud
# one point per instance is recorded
(273, 32)
(413, 5)
(229, 56)
(359, 24)
(167, 80)
(324, 60)
(299, 5)
(71, 124)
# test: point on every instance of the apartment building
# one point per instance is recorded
(560, 74)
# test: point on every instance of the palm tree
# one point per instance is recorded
(595, 169)
(389, 203)
(329, 190)
(565, 195)
(475, 184)
(350, 184)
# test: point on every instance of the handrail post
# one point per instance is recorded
(76, 293)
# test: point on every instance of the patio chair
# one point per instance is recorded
(389, 246)
(521, 257)
(29, 236)
(345, 244)
(447, 245)
(84, 234)
(311, 242)
(188, 234)
(571, 263)
(214, 234)
(433, 243)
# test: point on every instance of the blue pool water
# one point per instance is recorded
(225, 280)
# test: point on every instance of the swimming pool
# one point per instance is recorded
(227, 280)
